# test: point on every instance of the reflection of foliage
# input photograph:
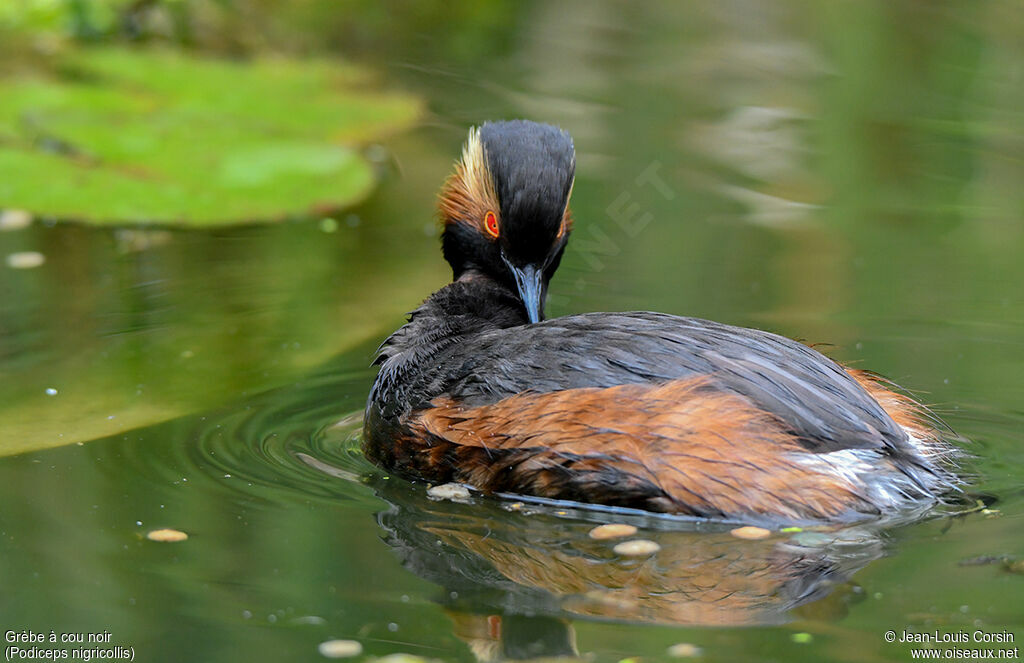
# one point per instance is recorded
(84, 19)
(463, 29)
(126, 136)
(163, 323)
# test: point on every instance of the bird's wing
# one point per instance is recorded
(812, 395)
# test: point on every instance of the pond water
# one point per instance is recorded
(843, 173)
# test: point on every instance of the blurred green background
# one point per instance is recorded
(229, 203)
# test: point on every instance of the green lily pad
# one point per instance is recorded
(119, 136)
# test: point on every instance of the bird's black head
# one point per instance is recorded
(506, 208)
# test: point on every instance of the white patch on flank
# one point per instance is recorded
(919, 443)
(867, 473)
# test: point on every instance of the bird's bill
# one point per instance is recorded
(529, 282)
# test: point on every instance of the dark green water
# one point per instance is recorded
(844, 173)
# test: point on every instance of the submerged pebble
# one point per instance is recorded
(340, 648)
(14, 219)
(683, 650)
(311, 620)
(449, 491)
(166, 535)
(750, 532)
(612, 531)
(401, 657)
(25, 260)
(636, 548)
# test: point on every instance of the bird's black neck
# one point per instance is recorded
(471, 305)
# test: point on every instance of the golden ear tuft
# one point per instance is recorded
(567, 214)
(468, 196)
(566, 223)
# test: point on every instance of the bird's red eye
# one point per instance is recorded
(491, 224)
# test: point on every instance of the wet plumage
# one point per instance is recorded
(635, 409)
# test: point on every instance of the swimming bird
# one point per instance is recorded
(641, 410)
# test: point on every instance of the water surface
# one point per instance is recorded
(845, 173)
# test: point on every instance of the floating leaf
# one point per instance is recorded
(119, 136)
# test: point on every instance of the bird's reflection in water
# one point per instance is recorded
(514, 574)
(513, 637)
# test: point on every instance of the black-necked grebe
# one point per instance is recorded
(643, 410)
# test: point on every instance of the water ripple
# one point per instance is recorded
(294, 442)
